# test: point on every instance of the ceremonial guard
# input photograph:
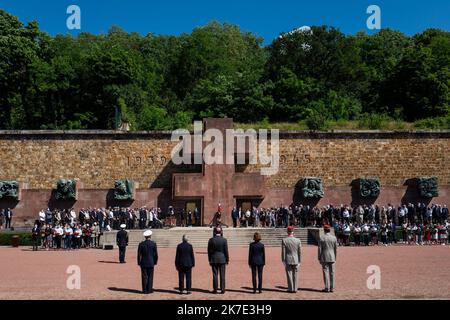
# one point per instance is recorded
(218, 258)
(291, 249)
(327, 253)
(122, 242)
(147, 259)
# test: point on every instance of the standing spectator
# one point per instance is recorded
(384, 234)
(420, 234)
(234, 216)
(366, 232)
(76, 238)
(35, 233)
(142, 218)
(58, 236)
(346, 231)
(68, 232)
(197, 217)
(48, 237)
(189, 218)
(393, 232)
(2, 218)
(256, 261)
(8, 218)
(357, 234)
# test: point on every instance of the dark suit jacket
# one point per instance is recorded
(218, 250)
(184, 257)
(256, 254)
(147, 256)
(122, 238)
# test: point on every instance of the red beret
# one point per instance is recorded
(327, 227)
(290, 228)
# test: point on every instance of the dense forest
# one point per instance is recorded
(317, 76)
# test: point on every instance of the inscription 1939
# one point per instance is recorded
(133, 161)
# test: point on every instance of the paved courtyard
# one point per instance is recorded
(407, 272)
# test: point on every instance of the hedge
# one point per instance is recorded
(24, 237)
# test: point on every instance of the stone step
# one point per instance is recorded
(199, 237)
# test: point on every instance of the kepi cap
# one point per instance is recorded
(123, 226)
(148, 233)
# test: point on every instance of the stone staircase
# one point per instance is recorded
(198, 237)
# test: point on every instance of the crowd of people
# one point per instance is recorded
(6, 216)
(361, 225)
(65, 229)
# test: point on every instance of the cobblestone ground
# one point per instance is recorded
(407, 272)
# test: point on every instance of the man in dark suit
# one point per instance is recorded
(218, 258)
(257, 260)
(122, 242)
(8, 218)
(147, 259)
(184, 262)
(234, 216)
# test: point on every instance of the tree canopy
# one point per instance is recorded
(218, 70)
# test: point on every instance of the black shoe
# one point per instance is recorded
(188, 292)
(254, 291)
(222, 291)
(331, 290)
(325, 290)
(260, 291)
(214, 292)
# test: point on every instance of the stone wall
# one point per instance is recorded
(38, 159)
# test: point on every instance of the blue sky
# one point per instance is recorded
(262, 17)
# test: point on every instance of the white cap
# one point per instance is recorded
(148, 233)
(123, 226)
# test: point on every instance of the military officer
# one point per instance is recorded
(327, 253)
(291, 250)
(147, 259)
(122, 242)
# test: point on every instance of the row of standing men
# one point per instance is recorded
(218, 258)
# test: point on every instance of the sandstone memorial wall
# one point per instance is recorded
(97, 159)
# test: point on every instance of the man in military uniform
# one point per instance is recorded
(327, 253)
(291, 250)
(218, 258)
(147, 259)
(122, 242)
